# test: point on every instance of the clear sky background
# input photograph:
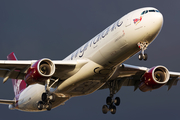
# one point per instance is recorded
(36, 29)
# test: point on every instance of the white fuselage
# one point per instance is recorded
(121, 37)
(111, 47)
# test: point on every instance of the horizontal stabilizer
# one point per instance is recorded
(7, 101)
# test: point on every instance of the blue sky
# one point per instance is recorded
(53, 29)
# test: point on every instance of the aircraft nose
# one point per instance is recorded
(155, 24)
(158, 20)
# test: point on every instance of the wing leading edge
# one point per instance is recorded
(17, 69)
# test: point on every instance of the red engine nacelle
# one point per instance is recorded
(40, 71)
(155, 78)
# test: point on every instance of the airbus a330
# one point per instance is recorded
(41, 85)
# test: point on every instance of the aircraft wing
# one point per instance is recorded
(130, 75)
(7, 101)
(17, 69)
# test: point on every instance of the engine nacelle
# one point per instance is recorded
(155, 78)
(40, 71)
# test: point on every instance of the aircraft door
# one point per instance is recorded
(128, 20)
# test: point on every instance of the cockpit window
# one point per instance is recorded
(146, 11)
(157, 11)
(143, 13)
(151, 10)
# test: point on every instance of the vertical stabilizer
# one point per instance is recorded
(18, 85)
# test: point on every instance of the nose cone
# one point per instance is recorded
(154, 25)
(157, 19)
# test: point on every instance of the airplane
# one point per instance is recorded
(41, 85)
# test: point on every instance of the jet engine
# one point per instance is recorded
(155, 78)
(40, 71)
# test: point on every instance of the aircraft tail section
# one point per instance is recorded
(18, 85)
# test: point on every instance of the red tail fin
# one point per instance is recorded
(18, 85)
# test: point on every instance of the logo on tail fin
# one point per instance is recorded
(17, 86)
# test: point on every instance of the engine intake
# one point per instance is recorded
(155, 78)
(45, 68)
(40, 71)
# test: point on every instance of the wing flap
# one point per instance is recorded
(126, 70)
(13, 75)
(135, 72)
(130, 75)
(65, 69)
